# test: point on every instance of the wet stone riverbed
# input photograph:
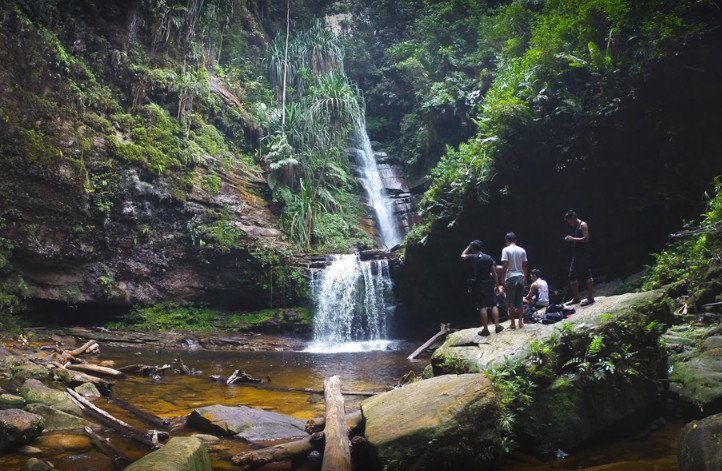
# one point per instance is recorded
(174, 396)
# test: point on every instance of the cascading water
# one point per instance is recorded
(389, 234)
(351, 305)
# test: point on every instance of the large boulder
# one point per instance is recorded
(247, 423)
(55, 419)
(11, 401)
(465, 351)
(18, 427)
(33, 391)
(22, 369)
(447, 422)
(695, 376)
(179, 454)
(700, 445)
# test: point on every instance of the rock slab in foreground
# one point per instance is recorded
(33, 391)
(447, 422)
(247, 423)
(18, 427)
(700, 445)
(179, 454)
(696, 377)
(56, 420)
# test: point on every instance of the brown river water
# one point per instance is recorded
(176, 395)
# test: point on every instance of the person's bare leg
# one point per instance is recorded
(495, 316)
(574, 286)
(484, 322)
(590, 291)
(512, 317)
(520, 311)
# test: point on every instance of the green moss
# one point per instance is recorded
(168, 316)
(36, 147)
(211, 183)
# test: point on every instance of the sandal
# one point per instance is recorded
(587, 302)
(484, 332)
(499, 328)
(572, 301)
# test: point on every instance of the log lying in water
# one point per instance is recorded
(353, 422)
(443, 331)
(183, 369)
(118, 458)
(77, 378)
(337, 449)
(146, 437)
(147, 417)
(96, 369)
(240, 376)
(295, 450)
(90, 346)
(144, 370)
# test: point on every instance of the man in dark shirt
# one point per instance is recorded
(483, 285)
(580, 268)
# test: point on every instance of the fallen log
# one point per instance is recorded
(353, 422)
(82, 349)
(240, 376)
(76, 378)
(345, 393)
(96, 369)
(118, 458)
(184, 370)
(443, 331)
(144, 370)
(145, 416)
(146, 437)
(285, 451)
(337, 449)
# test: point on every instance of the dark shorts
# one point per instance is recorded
(514, 288)
(484, 296)
(580, 268)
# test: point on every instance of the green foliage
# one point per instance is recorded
(515, 391)
(687, 258)
(305, 149)
(169, 316)
(211, 183)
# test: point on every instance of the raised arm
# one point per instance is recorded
(466, 251)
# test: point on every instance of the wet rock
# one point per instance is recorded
(64, 442)
(179, 454)
(700, 445)
(28, 450)
(205, 438)
(247, 423)
(34, 464)
(447, 422)
(18, 427)
(11, 401)
(33, 391)
(22, 370)
(88, 390)
(465, 351)
(55, 419)
(695, 377)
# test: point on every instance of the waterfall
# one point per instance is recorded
(351, 305)
(370, 177)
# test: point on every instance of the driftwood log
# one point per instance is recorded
(89, 346)
(145, 416)
(294, 450)
(77, 378)
(443, 331)
(144, 370)
(337, 449)
(353, 422)
(118, 458)
(240, 376)
(146, 437)
(182, 368)
(96, 369)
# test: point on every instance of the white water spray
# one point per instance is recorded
(351, 310)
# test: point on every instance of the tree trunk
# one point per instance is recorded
(353, 421)
(96, 369)
(286, 451)
(337, 450)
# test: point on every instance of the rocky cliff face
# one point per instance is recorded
(126, 170)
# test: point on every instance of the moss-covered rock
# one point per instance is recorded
(55, 419)
(695, 377)
(11, 401)
(447, 422)
(33, 391)
(22, 369)
(700, 445)
(179, 454)
(18, 427)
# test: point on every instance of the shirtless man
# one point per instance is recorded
(579, 269)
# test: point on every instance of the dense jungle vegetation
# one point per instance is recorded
(142, 137)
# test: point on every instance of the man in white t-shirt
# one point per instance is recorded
(514, 274)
